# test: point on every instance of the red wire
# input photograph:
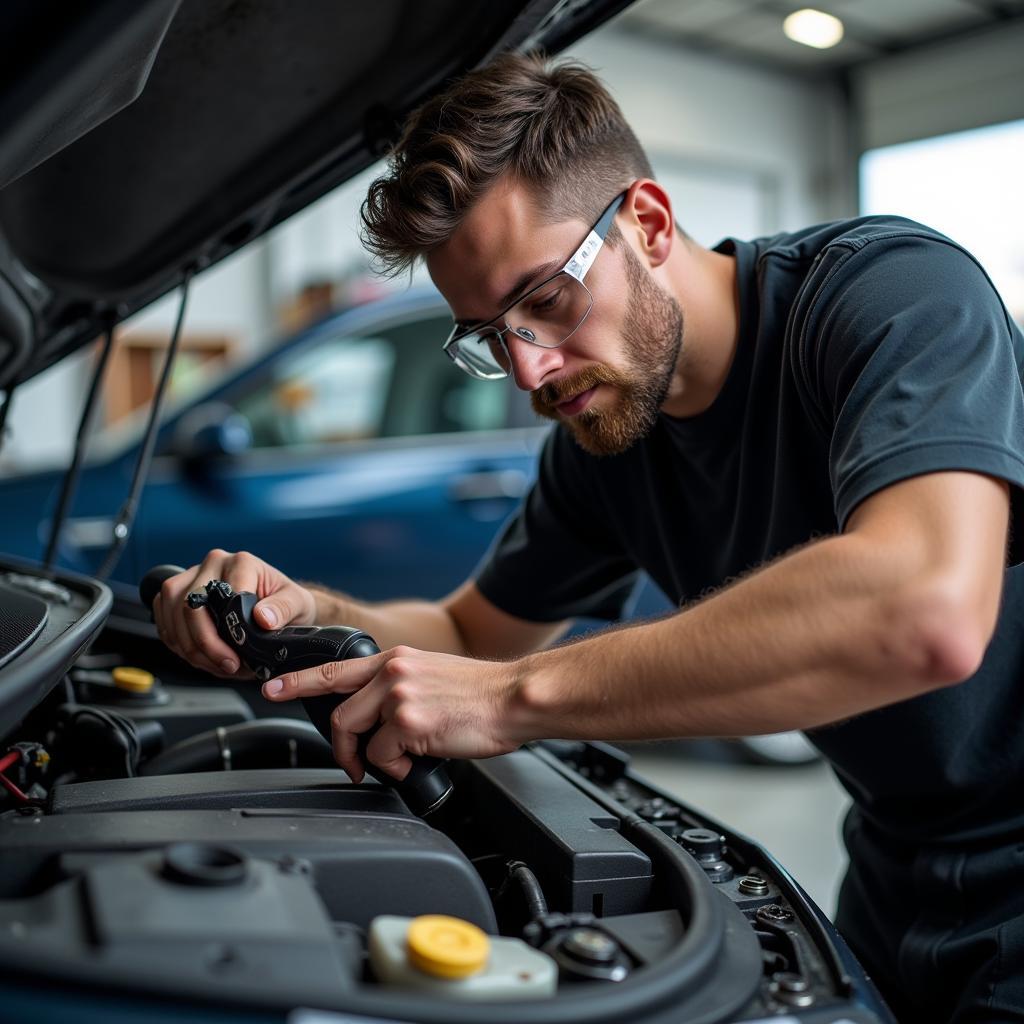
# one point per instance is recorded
(5, 762)
(13, 789)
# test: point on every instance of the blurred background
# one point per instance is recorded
(757, 121)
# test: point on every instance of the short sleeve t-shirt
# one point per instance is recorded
(869, 351)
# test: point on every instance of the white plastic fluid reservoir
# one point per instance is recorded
(457, 960)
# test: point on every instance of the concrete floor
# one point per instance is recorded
(794, 812)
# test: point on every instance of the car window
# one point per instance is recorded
(333, 392)
(390, 382)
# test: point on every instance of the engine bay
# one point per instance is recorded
(160, 836)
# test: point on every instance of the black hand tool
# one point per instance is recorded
(272, 652)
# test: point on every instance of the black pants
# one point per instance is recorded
(940, 929)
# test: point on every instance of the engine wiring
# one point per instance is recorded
(22, 798)
(9, 759)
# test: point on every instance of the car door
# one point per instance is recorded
(375, 466)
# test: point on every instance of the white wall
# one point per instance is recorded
(724, 120)
(949, 87)
(44, 416)
(231, 298)
(747, 151)
(322, 240)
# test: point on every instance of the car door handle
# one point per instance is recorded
(88, 533)
(489, 485)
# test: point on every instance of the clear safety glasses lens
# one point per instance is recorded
(546, 316)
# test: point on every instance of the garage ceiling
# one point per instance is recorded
(751, 30)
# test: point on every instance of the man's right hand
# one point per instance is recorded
(190, 633)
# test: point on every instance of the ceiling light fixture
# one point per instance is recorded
(813, 28)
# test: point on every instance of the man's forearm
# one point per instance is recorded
(423, 624)
(826, 632)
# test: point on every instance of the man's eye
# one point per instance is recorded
(547, 302)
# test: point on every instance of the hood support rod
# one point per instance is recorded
(126, 516)
(70, 483)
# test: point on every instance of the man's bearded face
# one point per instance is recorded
(652, 337)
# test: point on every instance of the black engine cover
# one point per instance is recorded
(362, 850)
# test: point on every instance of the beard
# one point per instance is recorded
(653, 337)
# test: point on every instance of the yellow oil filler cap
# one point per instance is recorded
(445, 947)
(135, 680)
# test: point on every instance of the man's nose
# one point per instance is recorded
(531, 363)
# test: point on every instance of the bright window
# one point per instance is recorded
(967, 185)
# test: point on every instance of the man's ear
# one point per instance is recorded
(651, 211)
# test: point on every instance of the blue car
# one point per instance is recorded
(354, 454)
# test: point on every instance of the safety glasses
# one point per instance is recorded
(547, 315)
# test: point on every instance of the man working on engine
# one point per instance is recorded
(816, 439)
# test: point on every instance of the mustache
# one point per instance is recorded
(547, 396)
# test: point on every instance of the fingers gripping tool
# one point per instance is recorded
(269, 653)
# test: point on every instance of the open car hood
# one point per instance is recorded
(140, 139)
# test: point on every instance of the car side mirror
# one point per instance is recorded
(211, 431)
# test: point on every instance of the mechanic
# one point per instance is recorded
(814, 443)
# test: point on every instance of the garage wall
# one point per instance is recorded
(743, 151)
(44, 417)
(963, 83)
(720, 122)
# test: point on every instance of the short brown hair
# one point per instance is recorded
(554, 127)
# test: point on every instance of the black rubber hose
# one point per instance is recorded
(266, 743)
(518, 872)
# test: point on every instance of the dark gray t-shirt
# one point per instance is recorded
(870, 351)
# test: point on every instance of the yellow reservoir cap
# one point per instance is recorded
(446, 947)
(137, 680)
